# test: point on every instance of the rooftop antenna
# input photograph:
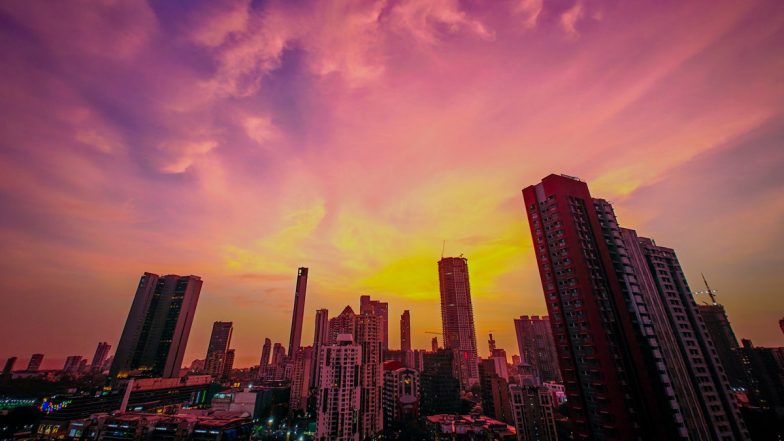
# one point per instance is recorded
(710, 292)
(443, 246)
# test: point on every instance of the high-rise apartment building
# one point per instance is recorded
(295, 339)
(405, 331)
(440, 384)
(537, 347)
(379, 309)
(72, 364)
(342, 324)
(368, 335)
(300, 379)
(158, 325)
(339, 390)
(220, 339)
(765, 371)
(35, 363)
(400, 397)
(100, 356)
(494, 392)
(320, 338)
(611, 357)
(434, 344)
(457, 316)
(699, 380)
(228, 364)
(534, 413)
(724, 340)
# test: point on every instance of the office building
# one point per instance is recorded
(401, 396)
(159, 322)
(295, 338)
(405, 331)
(457, 316)
(100, 356)
(339, 390)
(379, 309)
(440, 384)
(533, 410)
(220, 339)
(35, 363)
(617, 378)
(537, 347)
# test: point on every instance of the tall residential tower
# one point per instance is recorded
(457, 316)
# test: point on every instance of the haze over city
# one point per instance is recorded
(238, 141)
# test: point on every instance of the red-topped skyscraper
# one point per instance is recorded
(295, 340)
(457, 316)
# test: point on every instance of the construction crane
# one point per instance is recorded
(710, 292)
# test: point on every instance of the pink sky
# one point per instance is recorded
(241, 140)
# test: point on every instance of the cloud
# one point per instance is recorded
(530, 10)
(570, 18)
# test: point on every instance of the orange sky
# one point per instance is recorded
(241, 140)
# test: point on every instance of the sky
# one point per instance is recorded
(241, 140)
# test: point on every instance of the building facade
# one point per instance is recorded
(405, 331)
(537, 347)
(533, 412)
(295, 338)
(220, 339)
(457, 316)
(379, 309)
(158, 325)
(339, 391)
(400, 398)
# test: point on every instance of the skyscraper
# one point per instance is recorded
(342, 324)
(692, 359)
(368, 335)
(228, 364)
(457, 316)
(300, 379)
(537, 347)
(35, 362)
(720, 330)
(440, 383)
(295, 339)
(610, 355)
(379, 309)
(339, 390)
(405, 331)
(265, 353)
(320, 338)
(434, 344)
(159, 323)
(101, 353)
(9, 366)
(220, 339)
(72, 363)
(534, 413)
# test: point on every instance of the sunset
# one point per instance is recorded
(238, 141)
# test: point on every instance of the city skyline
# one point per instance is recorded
(356, 151)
